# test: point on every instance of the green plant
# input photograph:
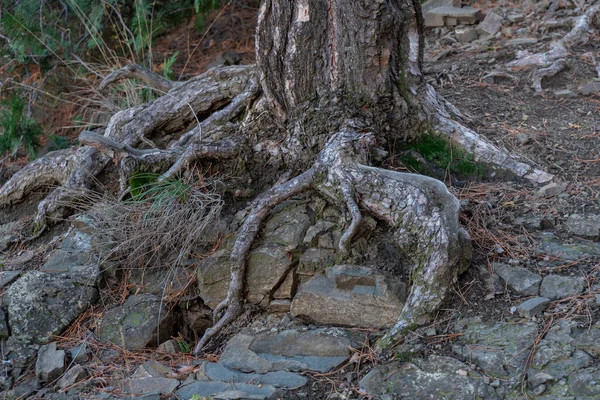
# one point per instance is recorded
(16, 130)
(167, 66)
(183, 346)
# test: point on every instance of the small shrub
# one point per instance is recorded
(16, 130)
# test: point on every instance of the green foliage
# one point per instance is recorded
(16, 130)
(183, 346)
(57, 142)
(442, 154)
(167, 66)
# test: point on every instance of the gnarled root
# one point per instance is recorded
(259, 210)
(206, 101)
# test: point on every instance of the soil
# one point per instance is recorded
(559, 134)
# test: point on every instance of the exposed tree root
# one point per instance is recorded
(583, 29)
(151, 79)
(215, 97)
(259, 210)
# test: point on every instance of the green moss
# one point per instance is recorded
(442, 154)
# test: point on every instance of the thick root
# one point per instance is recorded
(259, 210)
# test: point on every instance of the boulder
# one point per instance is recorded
(42, 305)
(351, 295)
(584, 225)
(519, 281)
(137, 322)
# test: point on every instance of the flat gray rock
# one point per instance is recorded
(491, 24)
(532, 307)
(584, 225)
(434, 378)
(317, 350)
(151, 386)
(280, 379)
(519, 280)
(72, 376)
(216, 389)
(8, 277)
(50, 363)
(557, 287)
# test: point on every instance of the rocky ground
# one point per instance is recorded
(524, 321)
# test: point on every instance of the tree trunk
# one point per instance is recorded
(340, 79)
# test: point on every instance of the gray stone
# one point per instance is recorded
(281, 379)
(491, 24)
(9, 234)
(351, 296)
(519, 280)
(466, 34)
(224, 390)
(450, 16)
(564, 94)
(520, 42)
(584, 225)
(8, 277)
(551, 190)
(50, 363)
(585, 384)
(557, 287)
(436, 377)
(515, 17)
(168, 347)
(267, 266)
(151, 369)
(314, 261)
(316, 350)
(532, 307)
(72, 376)
(317, 229)
(81, 353)
(288, 225)
(435, 19)
(287, 288)
(4, 331)
(151, 386)
(135, 324)
(590, 88)
(553, 247)
(280, 306)
(42, 305)
(76, 259)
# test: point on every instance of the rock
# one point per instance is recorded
(491, 24)
(436, 377)
(50, 363)
(551, 190)
(585, 383)
(81, 353)
(515, 17)
(9, 234)
(584, 225)
(287, 288)
(451, 16)
(151, 386)
(466, 34)
(151, 369)
(42, 305)
(519, 280)
(557, 287)
(72, 376)
(497, 348)
(288, 226)
(351, 296)
(281, 379)
(531, 307)
(267, 266)
(564, 94)
(223, 390)
(436, 19)
(553, 247)
(134, 325)
(520, 42)
(314, 261)
(590, 88)
(8, 277)
(4, 331)
(317, 350)
(280, 306)
(168, 347)
(75, 258)
(317, 229)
